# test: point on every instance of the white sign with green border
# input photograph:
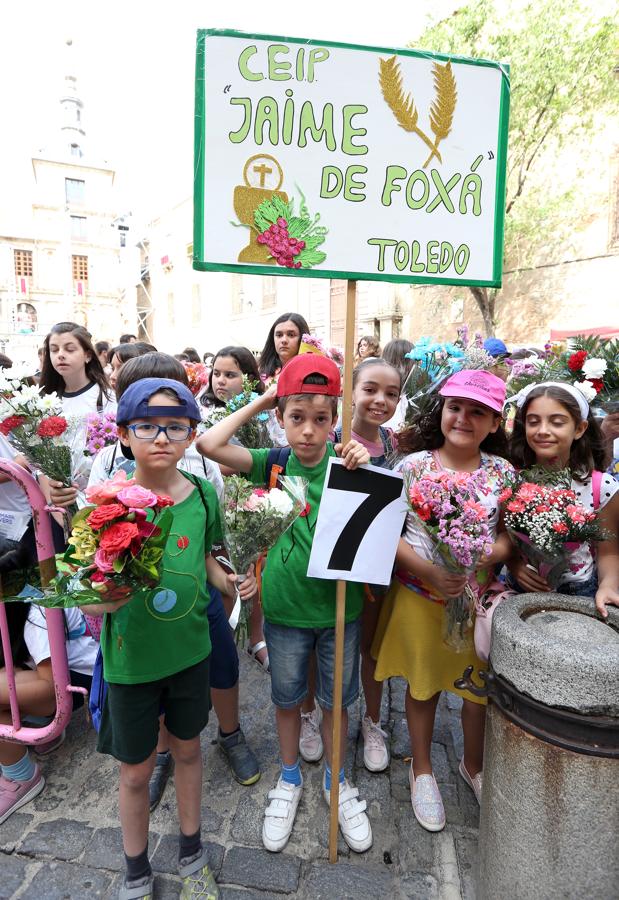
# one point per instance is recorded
(319, 159)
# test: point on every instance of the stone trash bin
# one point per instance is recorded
(549, 827)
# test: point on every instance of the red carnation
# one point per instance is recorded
(104, 514)
(164, 500)
(10, 423)
(577, 360)
(52, 426)
(118, 537)
(597, 383)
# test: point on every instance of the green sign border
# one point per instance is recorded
(200, 167)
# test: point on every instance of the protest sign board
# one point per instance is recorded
(320, 159)
(359, 524)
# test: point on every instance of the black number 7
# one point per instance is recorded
(381, 490)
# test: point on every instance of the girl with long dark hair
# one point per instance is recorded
(72, 369)
(282, 343)
(225, 381)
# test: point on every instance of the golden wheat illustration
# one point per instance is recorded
(444, 106)
(403, 105)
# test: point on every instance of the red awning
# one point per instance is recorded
(605, 332)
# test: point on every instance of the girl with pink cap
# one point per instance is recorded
(461, 433)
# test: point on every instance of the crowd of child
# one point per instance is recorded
(176, 657)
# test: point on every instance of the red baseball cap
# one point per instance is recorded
(295, 372)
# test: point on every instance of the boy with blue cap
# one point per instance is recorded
(161, 663)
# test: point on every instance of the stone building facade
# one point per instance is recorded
(62, 255)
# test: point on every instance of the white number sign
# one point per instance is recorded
(359, 524)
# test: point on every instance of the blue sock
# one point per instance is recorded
(23, 770)
(328, 776)
(292, 774)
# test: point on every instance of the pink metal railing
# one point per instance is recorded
(55, 625)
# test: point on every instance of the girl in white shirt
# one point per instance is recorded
(555, 428)
(72, 369)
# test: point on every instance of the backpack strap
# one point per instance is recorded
(277, 461)
(196, 483)
(596, 488)
(113, 460)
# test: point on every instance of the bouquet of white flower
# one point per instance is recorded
(253, 519)
(36, 427)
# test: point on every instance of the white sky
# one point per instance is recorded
(135, 64)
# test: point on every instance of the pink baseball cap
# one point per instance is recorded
(474, 384)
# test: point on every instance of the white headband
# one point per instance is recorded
(583, 404)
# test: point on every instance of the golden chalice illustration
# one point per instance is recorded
(263, 177)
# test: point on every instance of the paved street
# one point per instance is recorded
(66, 844)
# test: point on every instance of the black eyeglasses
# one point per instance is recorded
(148, 431)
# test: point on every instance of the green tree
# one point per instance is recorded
(562, 56)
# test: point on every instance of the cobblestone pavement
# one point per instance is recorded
(67, 843)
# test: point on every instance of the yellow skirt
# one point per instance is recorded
(409, 643)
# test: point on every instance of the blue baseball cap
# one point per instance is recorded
(134, 402)
(495, 347)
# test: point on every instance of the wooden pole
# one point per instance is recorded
(340, 597)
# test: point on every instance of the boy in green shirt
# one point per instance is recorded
(299, 611)
(156, 650)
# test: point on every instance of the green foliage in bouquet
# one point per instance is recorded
(253, 434)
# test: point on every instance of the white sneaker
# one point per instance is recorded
(310, 739)
(280, 814)
(375, 753)
(352, 817)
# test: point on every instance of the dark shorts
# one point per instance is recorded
(224, 671)
(130, 717)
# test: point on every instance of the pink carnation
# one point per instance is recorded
(529, 491)
(576, 513)
(254, 502)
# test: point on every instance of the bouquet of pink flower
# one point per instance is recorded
(197, 376)
(547, 524)
(101, 431)
(311, 344)
(114, 550)
(448, 508)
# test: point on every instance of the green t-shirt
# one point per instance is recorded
(167, 630)
(289, 596)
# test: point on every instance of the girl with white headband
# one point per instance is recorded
(554, 428)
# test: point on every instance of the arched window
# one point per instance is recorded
(26, 318)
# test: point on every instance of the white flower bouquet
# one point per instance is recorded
(37, 429)
(253, 519)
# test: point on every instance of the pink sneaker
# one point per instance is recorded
(49, 746)
(15, 794)
(475, 783)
